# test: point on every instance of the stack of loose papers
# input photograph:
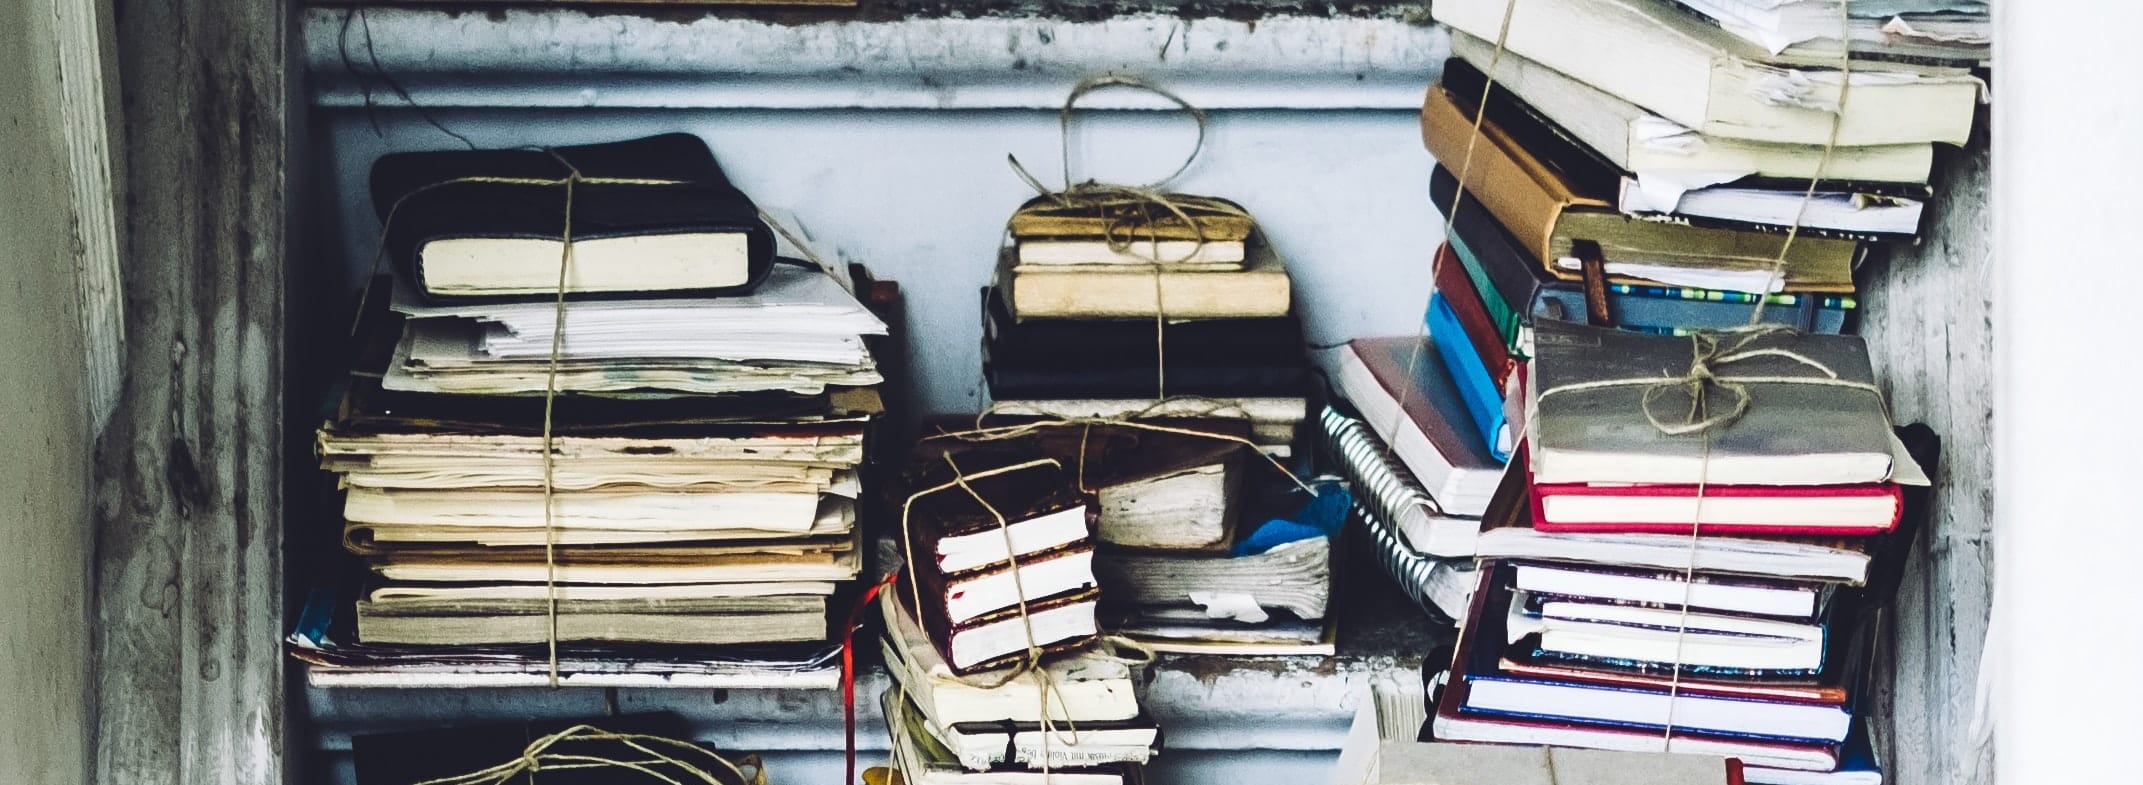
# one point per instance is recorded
(800, 333)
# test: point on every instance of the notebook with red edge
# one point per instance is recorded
(1818, 510)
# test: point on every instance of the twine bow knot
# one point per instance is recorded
(1127, 209)
(1705, 378)
(1706, 356)
(653, 762)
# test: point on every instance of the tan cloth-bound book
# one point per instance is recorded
(1113, 291)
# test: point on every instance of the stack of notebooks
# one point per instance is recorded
(1641, 163)
(1703, 594)
(992, 638)
(1199, 545)
(698, 504)
(1090, 305)
(1420, 471)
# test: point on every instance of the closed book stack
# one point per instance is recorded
(1683, 553)
(1200, 544)
(992, 639)
(1706, 592)
(1628, 167)
(1099, 311)
(704, 431)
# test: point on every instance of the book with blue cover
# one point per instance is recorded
(1484, 402)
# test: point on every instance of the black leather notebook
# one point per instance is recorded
(460, 238)
(1118, 359)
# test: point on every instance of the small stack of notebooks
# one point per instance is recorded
(705, 435)
(991, 637)
(1707, 592)
(1201, 544)
(1642, 163)
(1091, 304)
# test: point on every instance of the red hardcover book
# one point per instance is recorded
(1472, 313)
(1819, 510)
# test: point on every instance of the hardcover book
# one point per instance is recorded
(1422, 416)
(1542, 204)
(459, 238)
(1795, 428)
(1517, 291)
(1455, 720)
(1211, 218)
(1477, 386)
(1636, 140)
(1260, 289)
(1816, 510)
(1083, 685)
(1701, 77)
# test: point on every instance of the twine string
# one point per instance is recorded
(1458, 196)
(550, 400)
(1045, 685)
(1830, 147)
(538, 756)
(1706, 355)
(1130, 420)
(1129, 212)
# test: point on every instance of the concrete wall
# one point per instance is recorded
(44, 469)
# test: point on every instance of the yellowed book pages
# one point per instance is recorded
(1261, 288)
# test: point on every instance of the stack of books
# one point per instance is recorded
(1705, 593)
(1092, 304)
(991, 637)
(704, 409)
(1199, 544)
(1641, 163)
(1175, 321)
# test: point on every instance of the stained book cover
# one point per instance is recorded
(1844, 428)
(704, 202)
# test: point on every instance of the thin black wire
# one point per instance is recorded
(342, 45)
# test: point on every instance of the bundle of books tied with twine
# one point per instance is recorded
(1635, 449)
(595, 431)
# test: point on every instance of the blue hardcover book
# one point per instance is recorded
(1475, 386)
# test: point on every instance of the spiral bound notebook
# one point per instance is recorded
(1386, 488)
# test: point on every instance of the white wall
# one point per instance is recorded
(44, 469)
(2068, 535)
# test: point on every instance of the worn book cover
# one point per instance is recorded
(1211, 218)
(1550, 213)
(1801, 423)
(433, 198)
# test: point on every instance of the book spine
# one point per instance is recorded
(1483, 398)
(1519, 191)
(1491, 254)
(1681, 315)
(1465, 301)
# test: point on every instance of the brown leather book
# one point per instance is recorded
(1213, 218)
(1533, 199)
